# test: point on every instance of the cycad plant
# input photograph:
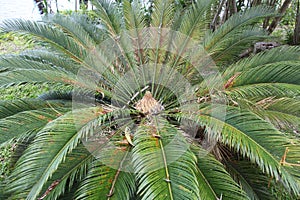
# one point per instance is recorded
(158, 107)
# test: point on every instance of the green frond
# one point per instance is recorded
(229, 50)
(14, 62)
(282, 121)
(159, 35)
(195, 20)
(109, 15)
(20, 76)
(72, 29)
(214, 181)
(56, 95)
(47, 33)
(256, 184)
(279, 54)
(284, 105)
(134, 19)
(163, 15)
(54, 58)
(283, 112)
(10, 108)
(279, 79)
(26, 124)
(280, 72)
(90, 26)
(264, 90)
(107, 183)
(69, 174)
(164, 165)
(49, 148)
(233, 26)
(253, 137)
(191, 30)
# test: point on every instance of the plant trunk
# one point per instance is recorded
(40, 5)
(296, 38)
(233, 8)
(282, 11)
(214, 22)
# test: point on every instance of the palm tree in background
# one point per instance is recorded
(149, 113)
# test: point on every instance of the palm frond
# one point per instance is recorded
(19, 62)
(215, 181)
(257, 185)
(282, 121)
(222, 37)
(190, 32)
(164, 165)
(281, 72)
(72, 29)
(109, 14)
(96, 32)
(261, 91)
(10, 108)
(26, 124)
(163, 15)
(20, 76)
(51, 57)
(253, 137)
(195, 20)
(103, 181)
(279, 54)
(55, 95)
(229, 50)
(135, 23)
(159, 35)
(69, 174)
(49, 34)
(61, 132)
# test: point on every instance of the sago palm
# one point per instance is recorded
(158, 107)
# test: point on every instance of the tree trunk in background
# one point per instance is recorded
(214, 22)
(266, 22)
(40, 6)
(233, 8)
(83, 3)
(282, 11)
(255, 3)
(296, 38)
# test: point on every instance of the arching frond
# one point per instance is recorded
(257, 185)
(52, 58)
(62, 133)
(215, 182)
(164, 165)
(223, 37)
(281, 72)
(253, 138)
(109, 14)
(48, 34)
(26, 124)
(261, 91)
(72, 29)
(135, 23)
(18, 62)
(108, 183)
(10, 108)
(20, 76)
(68, 175)
(279, 54)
